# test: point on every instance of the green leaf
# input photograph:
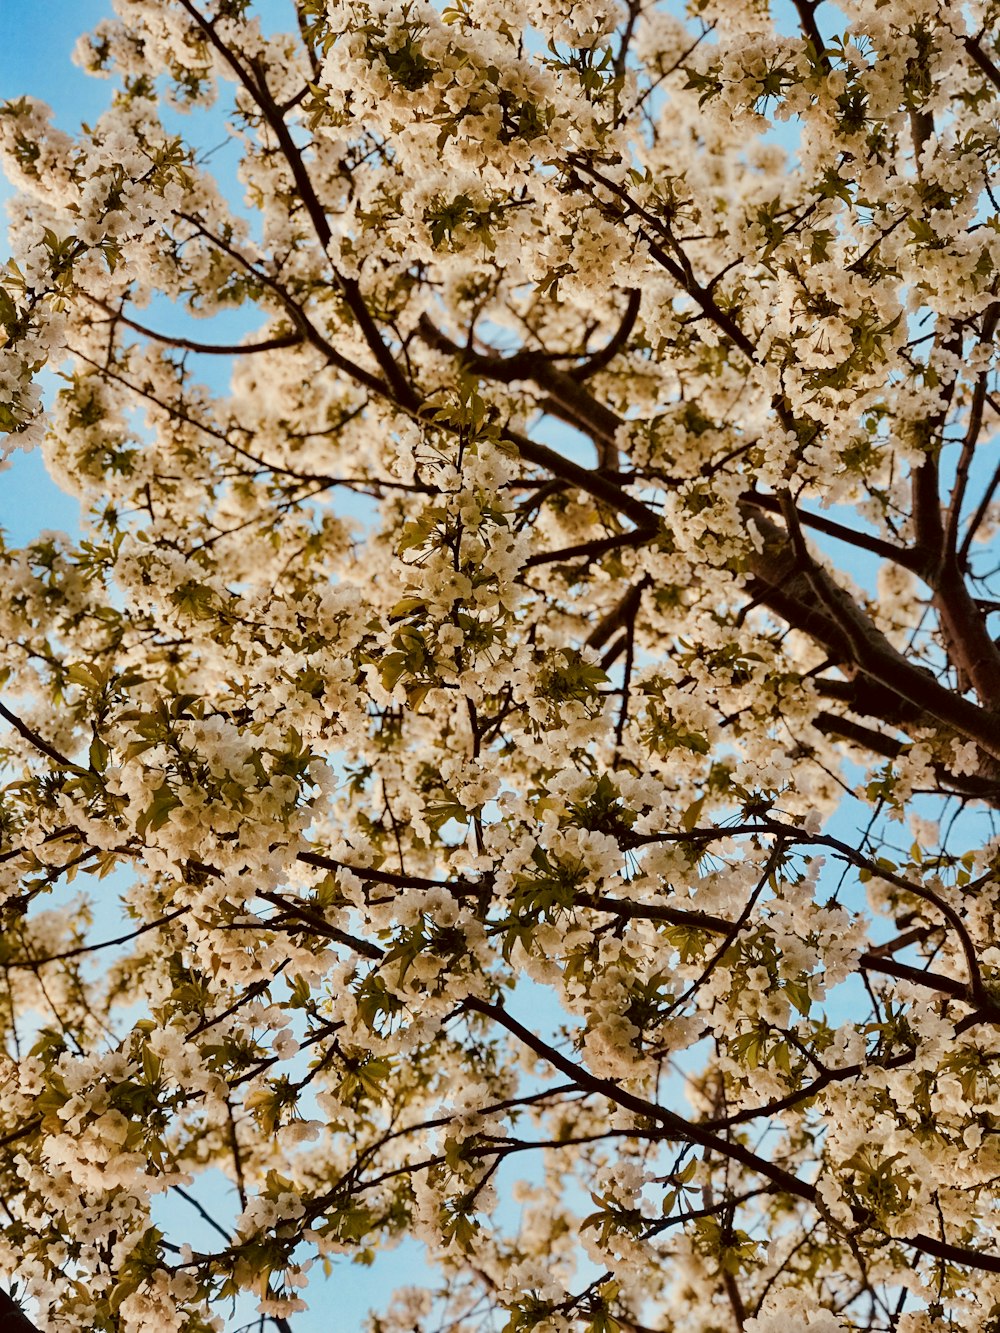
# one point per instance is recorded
(152, 1065)
(798, 993)
(158, 812)
(691, 815)
(79, 673)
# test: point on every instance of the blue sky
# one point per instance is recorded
(36, 41)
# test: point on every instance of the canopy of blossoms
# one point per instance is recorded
(528, 699)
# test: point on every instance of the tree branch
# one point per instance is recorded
(863, 541)
(33, 738)
(12, 1317)
(984, 62)
(189, 344)
(615, 344)
(800, 591)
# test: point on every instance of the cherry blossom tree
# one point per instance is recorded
(533, 712)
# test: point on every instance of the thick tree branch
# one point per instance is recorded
(12, 1317)
(791, 582)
